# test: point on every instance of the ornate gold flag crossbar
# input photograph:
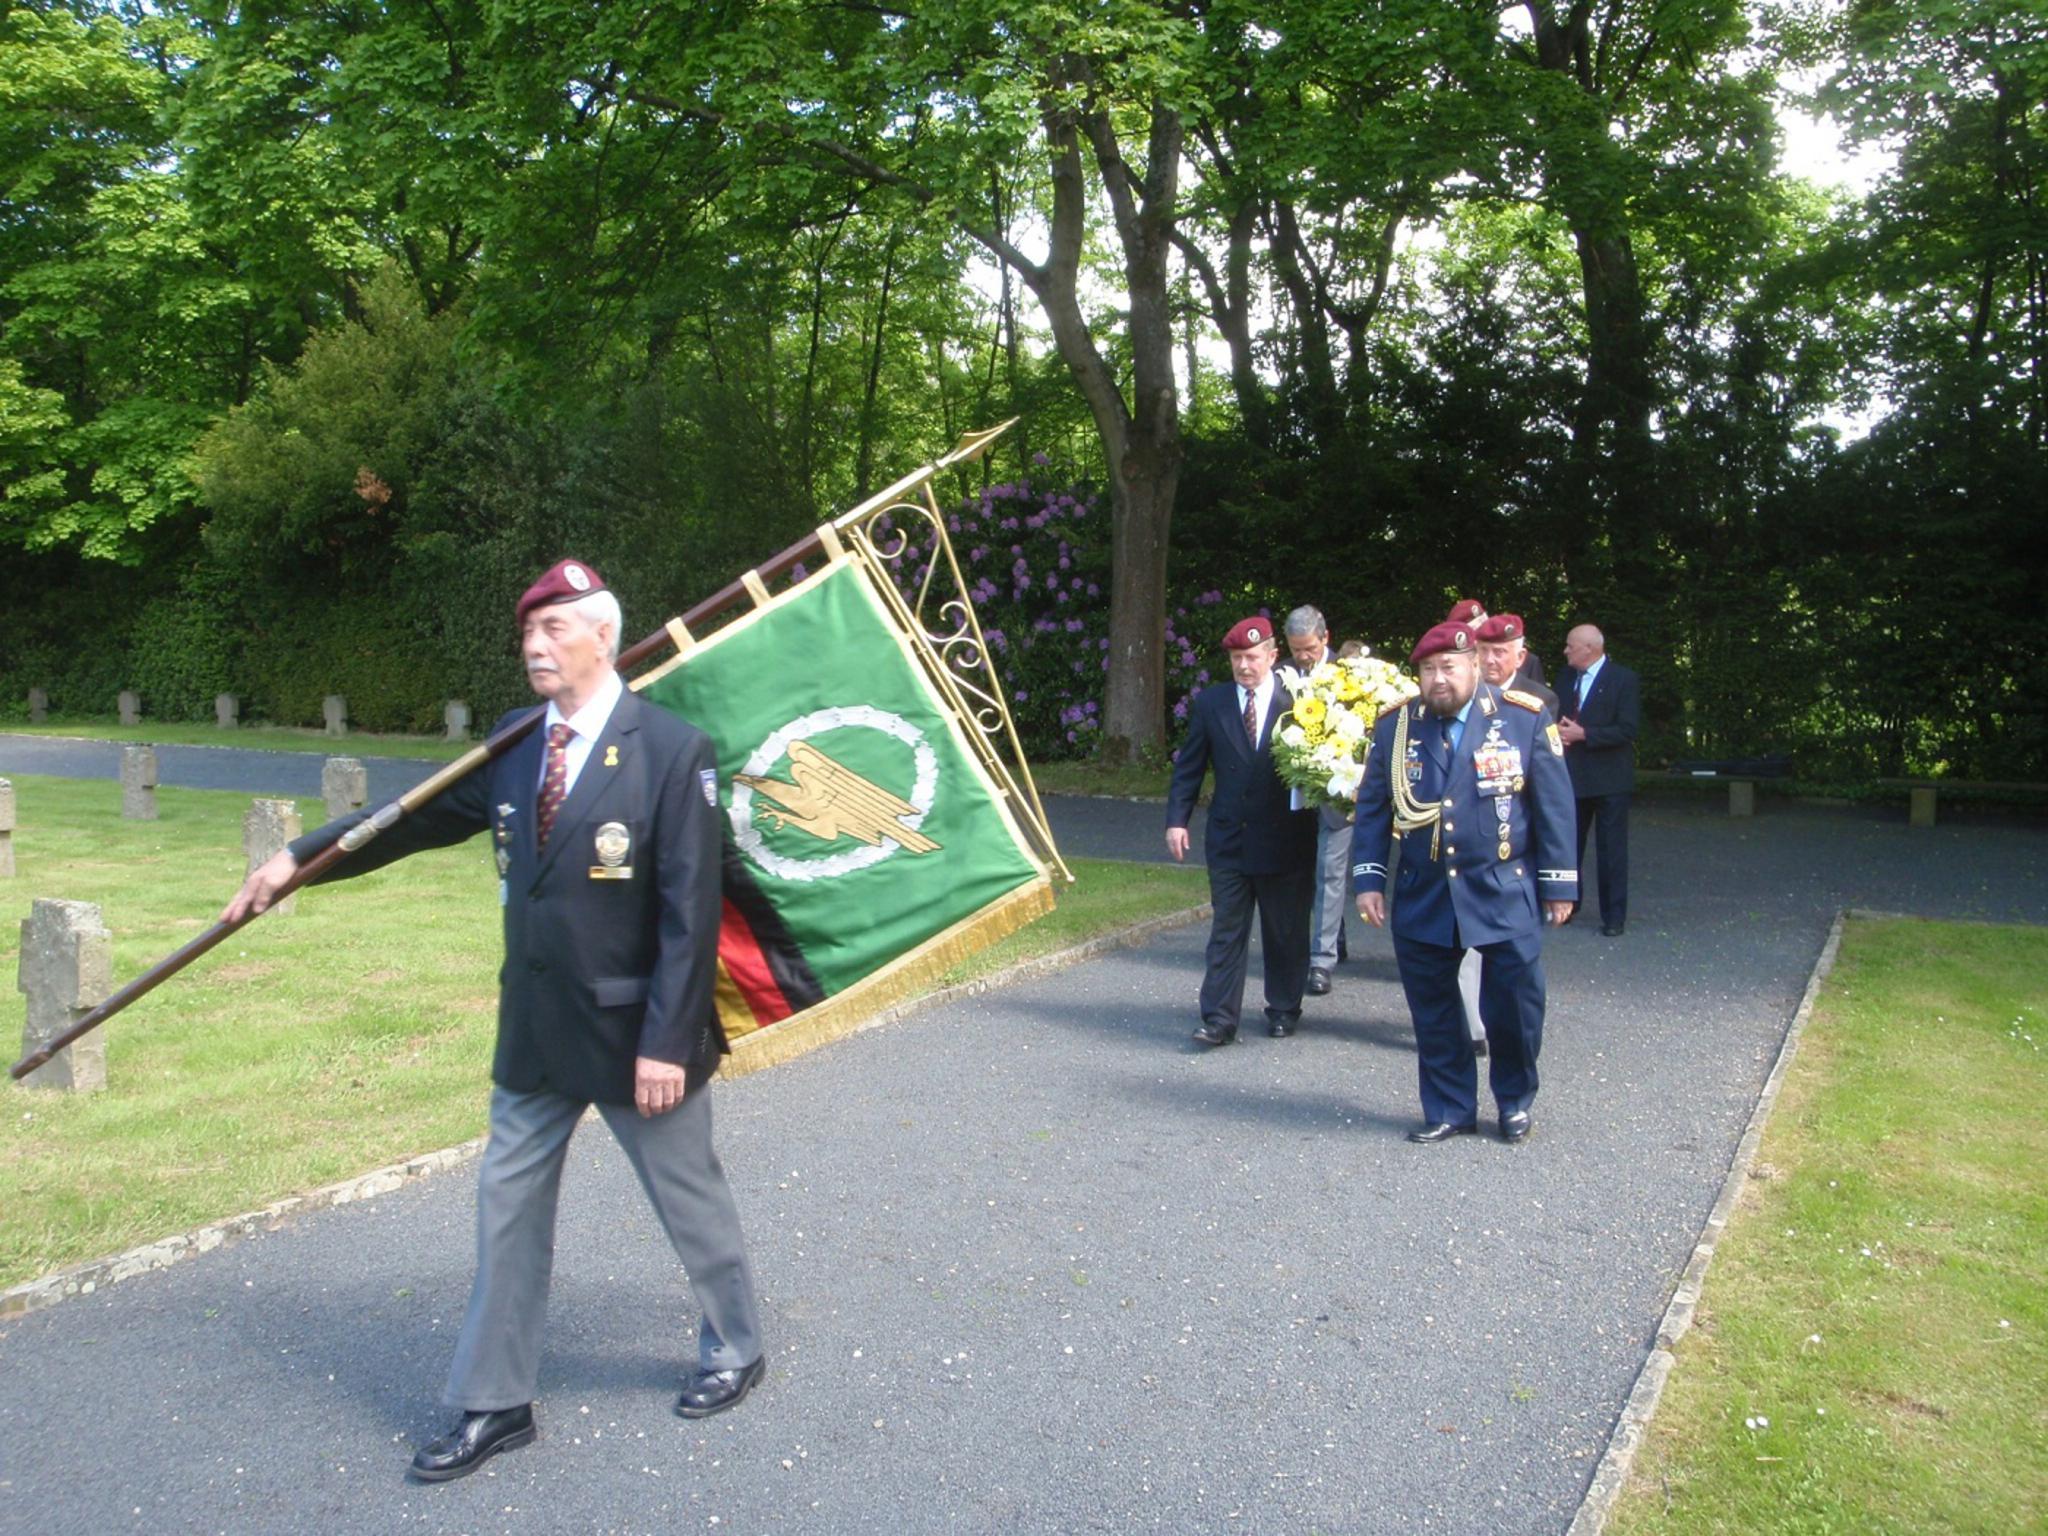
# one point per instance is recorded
(883, 818)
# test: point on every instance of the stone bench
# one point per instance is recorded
(1923, 796)
(1742, 775)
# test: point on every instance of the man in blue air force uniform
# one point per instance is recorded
(1473, 780)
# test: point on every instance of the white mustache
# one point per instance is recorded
(540, 666)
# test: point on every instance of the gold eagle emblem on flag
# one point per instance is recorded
(829, 801)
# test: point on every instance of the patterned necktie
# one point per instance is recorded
(554, 784)
(1251, 718)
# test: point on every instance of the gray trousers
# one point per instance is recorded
(1333, 886)
(497, 1355)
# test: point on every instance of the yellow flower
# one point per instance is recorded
(1308, 713)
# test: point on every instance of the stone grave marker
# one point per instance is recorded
(130, 704)
(38, 706)
(335, 708)
(67, 966)
(345, 785)
(138, 783)
(456, 718)
(266, 827)
(6, 830)
(227, 711)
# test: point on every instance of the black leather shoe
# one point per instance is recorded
(1318, 981)
(1429, 1135)
(474, 1441)
(715, 1391)
(1479, 1046)
(1215, 1034)
(1279, 1029)
(1515, 1126)
(1613, 930)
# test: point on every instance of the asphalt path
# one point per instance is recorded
(1028, 1264)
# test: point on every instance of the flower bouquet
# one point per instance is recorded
(1321, 742)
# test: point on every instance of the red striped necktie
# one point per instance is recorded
(1251, 718)
(554, 784)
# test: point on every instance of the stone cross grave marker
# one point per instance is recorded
(67, 966)
(138, 783)
(345, 785)
(266, 827)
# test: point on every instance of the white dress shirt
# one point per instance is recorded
(1586, 680)
(587, 724)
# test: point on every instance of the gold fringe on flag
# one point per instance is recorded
(902, 979)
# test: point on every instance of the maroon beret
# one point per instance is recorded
(565, 581)
(1246, 633)
(1502, 626)
(1445, 637)
(1467, 610)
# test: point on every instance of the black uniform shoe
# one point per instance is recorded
(1613, 930)
(1318, 981)
(715, 1391)
(1215, 1034)
(1515, 1126)
(474, 1441)
(1279, 1029)
(1429, 1135)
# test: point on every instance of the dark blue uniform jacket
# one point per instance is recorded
(1508, 834)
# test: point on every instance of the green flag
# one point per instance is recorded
(869, 847)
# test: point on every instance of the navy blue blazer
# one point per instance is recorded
(598, 968)
(1605, 762)
(1250, 828)
(1505, 840)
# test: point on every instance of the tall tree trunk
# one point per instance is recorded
(1141, 438)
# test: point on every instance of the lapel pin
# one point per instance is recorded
(611, 755)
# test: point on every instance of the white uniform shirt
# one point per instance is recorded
(587, 723)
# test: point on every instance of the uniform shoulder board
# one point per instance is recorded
(1528, 701)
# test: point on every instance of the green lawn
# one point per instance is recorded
(1871, 1354)
(309, 1047)
(262, 738)
(1125, 781)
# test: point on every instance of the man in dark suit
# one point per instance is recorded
(1506, 661)
(1260, 847)
(1472, 613)
(1603, 709)
(1472, 778)
(607, 833)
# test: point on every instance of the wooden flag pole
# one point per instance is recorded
(970, 446)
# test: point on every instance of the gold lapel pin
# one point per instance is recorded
(611, 755)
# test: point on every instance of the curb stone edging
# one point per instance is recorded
(84, 1279)
(1633, 1425)
(87, 1278)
